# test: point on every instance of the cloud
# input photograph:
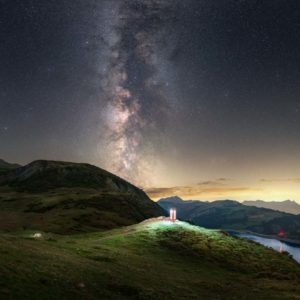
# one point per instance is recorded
(204, 191)
(295, 180)
(266, 180)
(223, 179)
(218, 181)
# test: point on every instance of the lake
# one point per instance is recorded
(272, 243)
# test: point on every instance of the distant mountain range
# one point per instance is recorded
(228, 214)
(288, 206)
(65, 197)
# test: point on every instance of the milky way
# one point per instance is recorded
(165, 93)
(135, 102)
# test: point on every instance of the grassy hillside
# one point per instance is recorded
(68, 198)
(229, 214)
(57, 242)
(155, 260)
(43, 175)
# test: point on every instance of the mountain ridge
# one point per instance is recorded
(288, 206)
(42, 175)
(229, 214)
(66, 197)
(5, 164)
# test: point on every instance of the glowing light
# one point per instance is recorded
(173, 214)
(281, 233)
(37, 235)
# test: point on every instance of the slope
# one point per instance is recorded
(65, 197)
(5, 167)
(151, 260)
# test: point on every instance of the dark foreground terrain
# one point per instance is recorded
(152, 260)
(69, 231)
(63, 197)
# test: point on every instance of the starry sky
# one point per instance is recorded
(196, 98)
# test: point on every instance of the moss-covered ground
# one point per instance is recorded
(151, 260)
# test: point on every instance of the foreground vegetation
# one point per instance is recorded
(151, 260)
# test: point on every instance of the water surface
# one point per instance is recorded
(277, 245)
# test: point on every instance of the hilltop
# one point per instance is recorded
(151, 260)
(65, 197)
(5, 164)
(43, 175)
(229, 214)
(6, 167)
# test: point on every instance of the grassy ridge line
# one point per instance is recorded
(66, 198)
(155, 260)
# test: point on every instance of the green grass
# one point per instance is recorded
(72, 210)
(66, 197)
(151, 260)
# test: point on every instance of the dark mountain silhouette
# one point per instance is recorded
(229, 214)
(69, 197)
(288, 206)
(5, 166)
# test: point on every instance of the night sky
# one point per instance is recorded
(197, 98)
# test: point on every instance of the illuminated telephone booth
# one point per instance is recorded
(173, 214)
